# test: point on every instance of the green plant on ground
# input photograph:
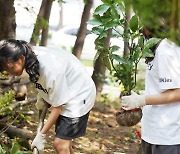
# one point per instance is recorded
(12, 148)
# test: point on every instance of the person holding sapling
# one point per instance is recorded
(61, 80)
(161, 102)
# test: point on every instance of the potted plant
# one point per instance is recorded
(124, 67)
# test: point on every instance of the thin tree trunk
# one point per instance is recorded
(60, 22)
(77, 50)
(126, 25)
(39, 23)
(45, 29)
(99, 68)
(7, 19)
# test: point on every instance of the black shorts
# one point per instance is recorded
(148, 148)
(70, 128)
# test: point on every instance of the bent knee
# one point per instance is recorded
(61, 145)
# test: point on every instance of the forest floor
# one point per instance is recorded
(104, 135)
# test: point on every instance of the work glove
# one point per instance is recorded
(39, 141)
(133, 101)
(39, 103)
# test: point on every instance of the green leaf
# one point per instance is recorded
(151, 42)
(2, 150)
(147, 53)
(94, 22)
(112, 23)
(15, 148)
(103, 35)
(120, 4)
(106, 19)
(114, 13)
(134, 23)
(141, 41)
(136, 54)
(107, 1)
(107, 62)
(101, 9)
(98, 30)
(118, 58)
(114, 48)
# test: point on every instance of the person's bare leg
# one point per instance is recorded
(62, 146)
(71, 148)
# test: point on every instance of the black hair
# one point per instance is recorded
(11, 50)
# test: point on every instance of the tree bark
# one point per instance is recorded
(126, 25)
(7, 19)
(45, 29)
(78, 46)
(39, 23)
(60, 22)
(12, 131)
(99, 68)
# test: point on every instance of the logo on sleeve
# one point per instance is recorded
(165, 80)
(40, 87)
(149, 66)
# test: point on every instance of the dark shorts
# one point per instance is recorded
(70, 128)
(148, 148)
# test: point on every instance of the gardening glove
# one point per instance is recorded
(39, 103)
(39, 141)
(133, 101)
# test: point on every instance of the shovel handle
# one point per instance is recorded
(42, 115)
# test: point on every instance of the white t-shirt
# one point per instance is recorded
(161, 123)
(65, 82)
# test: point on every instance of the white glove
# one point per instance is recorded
(40, 103)
(39, 141)
(133, 101)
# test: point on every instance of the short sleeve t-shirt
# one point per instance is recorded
(161, 123)
(65, 81)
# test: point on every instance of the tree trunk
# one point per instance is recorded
(99, 68)
(126, 25)
(7, 19)
(39, 23)
(60, 22)
(25, 136)
(77, 50)
(45, 29)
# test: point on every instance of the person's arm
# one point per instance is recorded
(55, 112)
(40, 140)
(136, 101)
(166, 97)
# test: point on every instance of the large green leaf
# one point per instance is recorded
(118, 58)
(134, 23)
(151, 42)
(101, 9)
(147, 53)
